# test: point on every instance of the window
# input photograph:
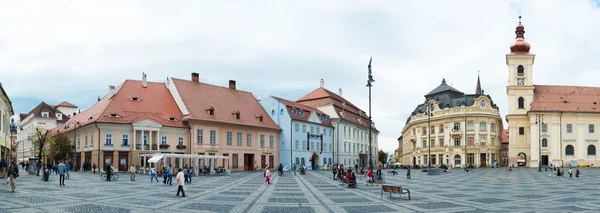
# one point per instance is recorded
(145, 139)
(544, 142)
(262, 140)
(344, 146)
(163, 140)
(297, 144)
(441, 142)
(312, 130)
(432, 129)
(569, 128)
(125, 139)
(213, 137)
(456, 126)
(271, 141)
(297, 161)
(591, 128)
(59, 116)
(482, 104)
(312, 145)
(294, 111)
(424, 144)
(301, 113)
(591, 150)
(441, 129)
(281, 111)
(470, 141)
(249, 140)
(239, 138)
(318, 130)
(456, 141)
(234, 160)
(424, 131)
(330, 132)
(520, 71)
(108, 138)
(304, 145)
(470, 126)
(229, 138)
(521, 130)
(544, 127)
(482, 141)
(272, 112)
(297, 127)
(45, 114)
(482, 126)
(79, 142)
(91, 139)
(200, 139)
(85, 141)
(493, 128)
(569, 150)
(521, 103)
(180, 140)
(303, 128)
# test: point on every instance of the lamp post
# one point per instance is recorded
(540, 122)
(369, 81)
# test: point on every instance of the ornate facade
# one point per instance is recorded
(464, 129)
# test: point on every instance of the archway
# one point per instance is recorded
(314, 161)
(414, 161)
(521, 159)
(457, 160)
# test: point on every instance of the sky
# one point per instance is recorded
(73, 50)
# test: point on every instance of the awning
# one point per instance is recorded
(155, 159)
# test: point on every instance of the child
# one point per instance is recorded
(267, 175)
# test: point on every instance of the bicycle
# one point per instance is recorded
(113, 176)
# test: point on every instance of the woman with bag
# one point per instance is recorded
(267, 175)
(13, 173)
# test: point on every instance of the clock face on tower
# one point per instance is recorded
(520, 82)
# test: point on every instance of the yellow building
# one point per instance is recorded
(464, 129)
(6, 111)
(562, 120)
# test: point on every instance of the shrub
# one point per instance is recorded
(471, 166)
(181, 146)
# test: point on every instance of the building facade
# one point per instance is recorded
(351, 137)
(505, 143)
(6, 111)
(43, 117)
(136, 117)
(307, 130)
(225, 121)
(462, 130)
(556, 125)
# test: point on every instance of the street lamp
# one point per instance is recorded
(540, 122)
(369, 81)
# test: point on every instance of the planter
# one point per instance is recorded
(181, 147)
(164, 146)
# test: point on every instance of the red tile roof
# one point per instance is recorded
(66, 104)
(505, 136)
(324, 97)
(44, 107)
(566, 99)
(305, 108)
(199, 97)
(155, 103)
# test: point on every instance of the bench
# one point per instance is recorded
(394, 189)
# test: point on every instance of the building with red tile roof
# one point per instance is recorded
(352, 124)
(505, 147)
(136, 117)
(548, 124)
(227, 121)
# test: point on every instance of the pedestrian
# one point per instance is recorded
(165, 175)
(108, 170)
(68, 168)
(267, 175)
(27, 167)
(132, 173)
(355, 167)
(13, 173)
(577, 173)
(379, 176)
(61, 171)
(570, 173)
(180, 182)
(153, 172)
(190, 174)
(334, 171)
(408, 172)
(170, 175)
(294, 168)
(94, 167)
(370, 176)
(280, 170)
(185, 175)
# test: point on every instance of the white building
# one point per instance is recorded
(43, 116)
(6, 111)
(351, 136)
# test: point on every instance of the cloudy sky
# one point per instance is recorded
(73, 50)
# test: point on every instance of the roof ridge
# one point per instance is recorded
(224, 87)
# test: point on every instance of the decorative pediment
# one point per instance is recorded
(147, 123)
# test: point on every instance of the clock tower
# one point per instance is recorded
(520, 74)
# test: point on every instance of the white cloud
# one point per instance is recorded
(72, 50)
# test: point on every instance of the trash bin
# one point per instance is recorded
(46, 175)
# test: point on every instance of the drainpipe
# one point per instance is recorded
(561, 142)
(96, 124)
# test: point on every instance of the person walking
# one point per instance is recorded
(294, 168)
(577, 173)
(280, 170)
(108, 170)
(570, 173)
(67, 169)
(170, 175)
(153, 172)
(408, 172)
(61, 172)
(27, 167)
(185, 175)
(13, 173)
(180, 182)
(356, 167)
(132, 173)
(165, 175)
(94, 168)
(334, 171)
(190, 174)
(370, 176)
(84, 166)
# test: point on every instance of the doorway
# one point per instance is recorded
(414, 161)
(123, 161)
(544, 160)
(272, 162)
(262, 162)
(314, 161)
(483, 160)
(248, 162)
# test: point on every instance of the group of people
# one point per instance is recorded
(87, 166)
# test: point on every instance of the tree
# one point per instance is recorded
(41, 137)
(382, 156)
(396, 158)
(60, 147)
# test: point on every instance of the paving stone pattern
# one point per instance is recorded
(482, 190)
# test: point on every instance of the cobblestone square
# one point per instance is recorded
(483, 190)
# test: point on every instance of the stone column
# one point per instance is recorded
(134, 141)
(142, 140)
(151, 140)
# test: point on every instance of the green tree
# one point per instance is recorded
(41, 137)
(382, 156)
(396, 159)
(60, 147)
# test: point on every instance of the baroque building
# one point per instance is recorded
(6, 111)
(462, 129)
(548, 124)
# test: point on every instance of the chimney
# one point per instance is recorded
(195, 77)
(340, 91)
(98, 98)
(144, 83)
(111, 90)
(322, 83)
(231, 84)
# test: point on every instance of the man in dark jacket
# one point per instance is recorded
(108, 171)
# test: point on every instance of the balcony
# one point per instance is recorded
(456, 132)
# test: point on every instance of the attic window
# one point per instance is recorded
(327, 119)
(172, 119)
(45, 114)
(259, 118)
(114, 115)
(294, 111)
(236, 115)
(210, 111)
(301, 113)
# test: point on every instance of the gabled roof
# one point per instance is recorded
(153, 103)
(323, 97)
(566, 99)
(443, 88)
(44, 107)
(308, 109)
(7, 98)
(66, 104)
(198, 97)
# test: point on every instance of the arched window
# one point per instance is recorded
(521, 102)
(569, 150)
(482, 104)
(544, 142)
(591, 150)
(520, 71)
(281, 112)
(272, 112)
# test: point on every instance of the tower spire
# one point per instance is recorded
(478, 88)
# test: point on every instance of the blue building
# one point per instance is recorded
(307, 133)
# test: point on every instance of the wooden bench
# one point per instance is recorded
(394, 189)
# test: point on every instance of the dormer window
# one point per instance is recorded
(482, 104)
(236, 115)
(172, 119)
(59, 116)
(210, 111)
(135, 99)
(301, 113)
(259, 118)
(114, 115)
(45, 114)
(294, 111)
